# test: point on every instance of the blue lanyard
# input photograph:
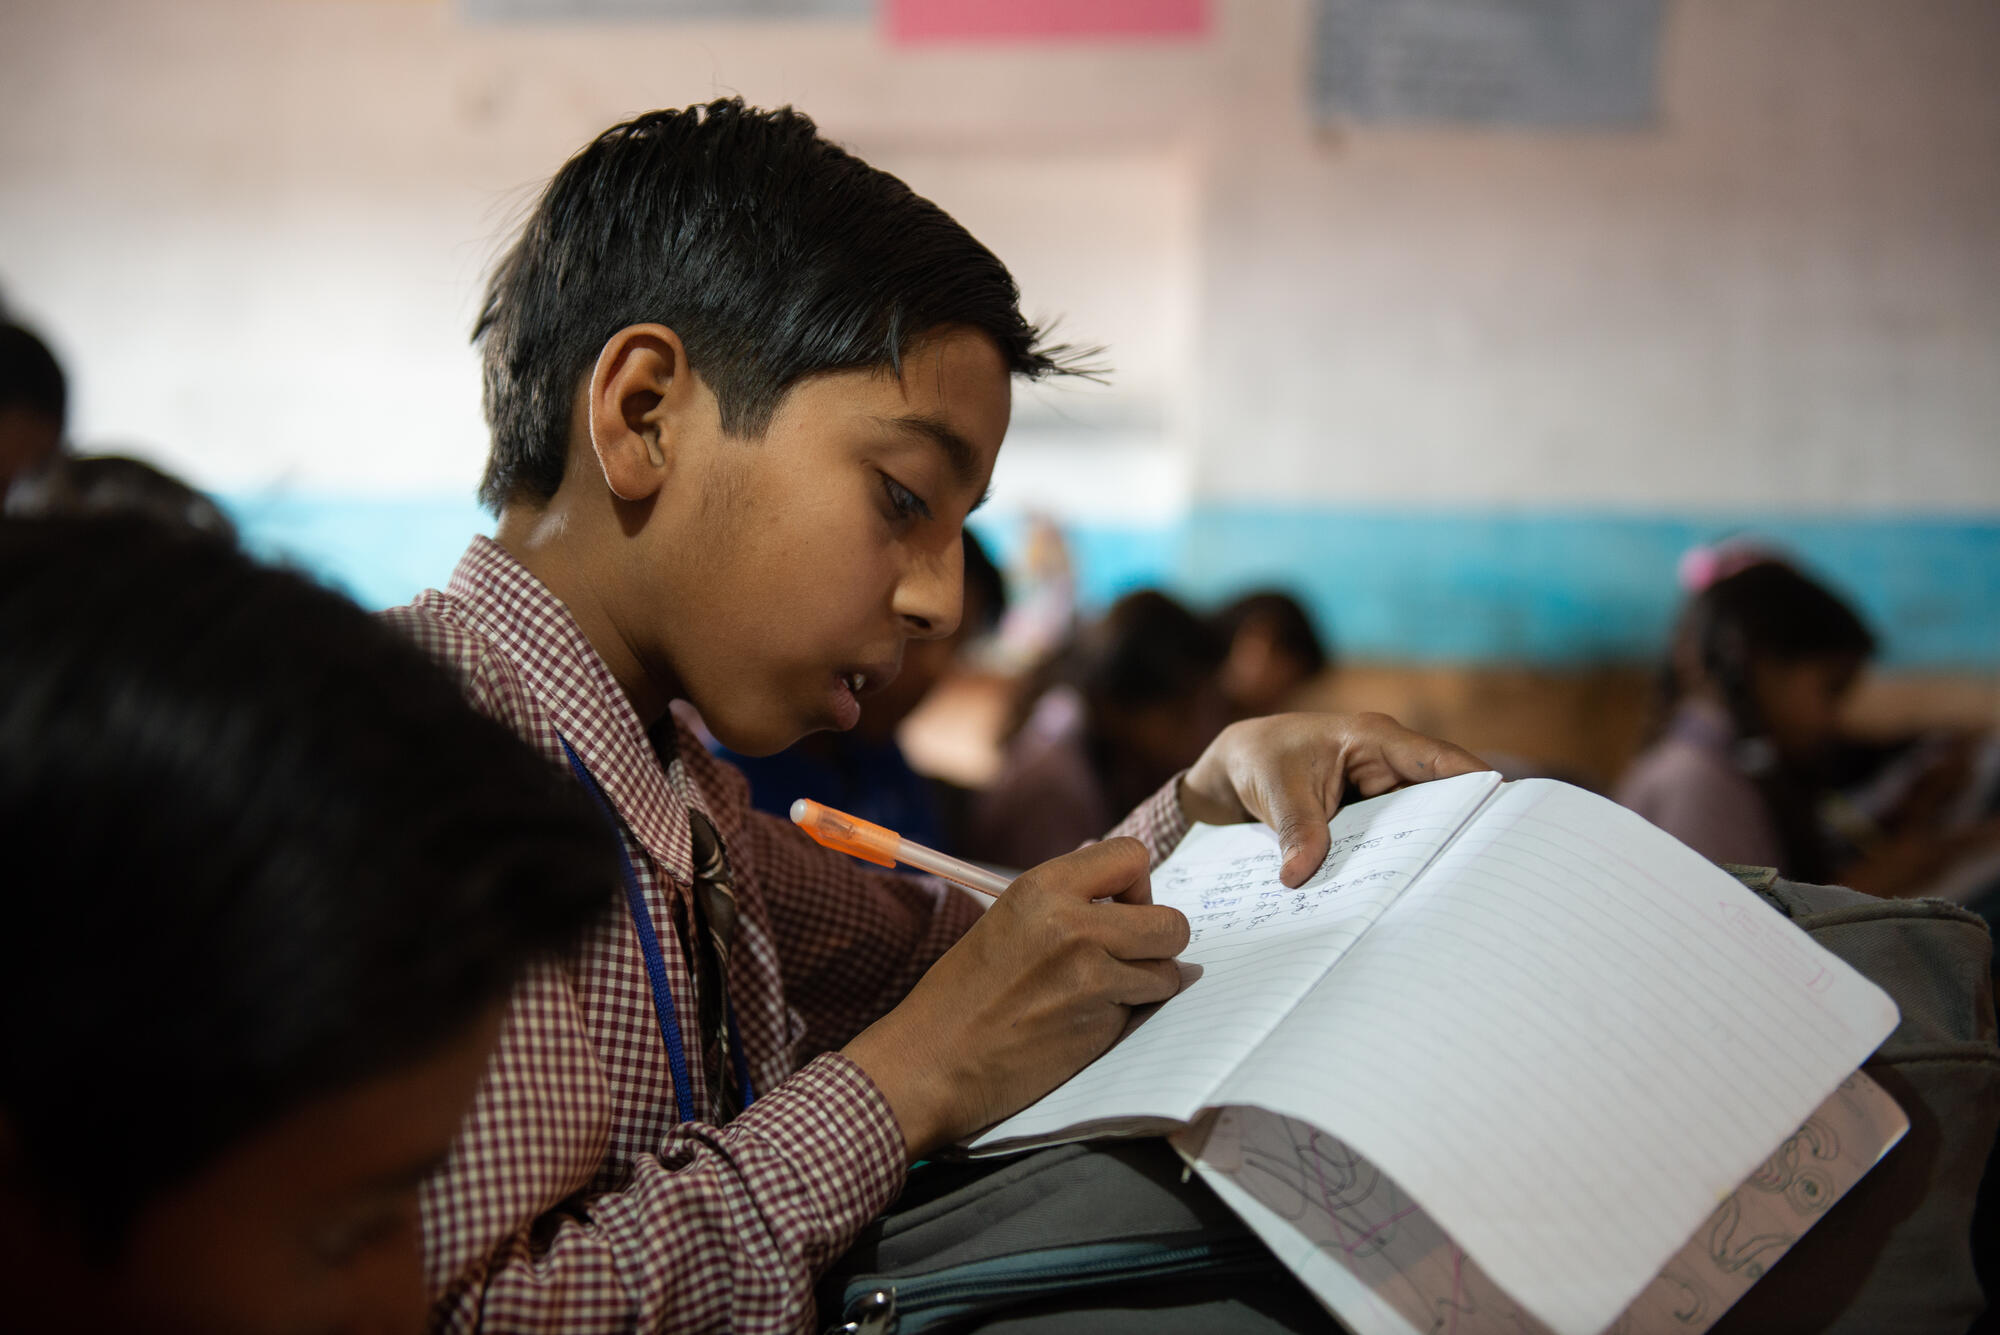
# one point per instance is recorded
(656, 964)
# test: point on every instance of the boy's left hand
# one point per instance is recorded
(1289, 771)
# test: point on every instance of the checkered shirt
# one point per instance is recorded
(575, 1199)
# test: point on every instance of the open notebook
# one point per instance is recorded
(1562, 1031)
(1373, 1256)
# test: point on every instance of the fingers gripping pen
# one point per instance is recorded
(873, 843)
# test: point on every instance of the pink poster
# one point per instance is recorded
(1041, 20)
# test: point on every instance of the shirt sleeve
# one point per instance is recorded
(724, 1229)
(533, 1226)
(852, 940)
(1158, 822)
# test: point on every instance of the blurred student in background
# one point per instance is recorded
(72, 484)
(1274, 651)
(1761, 662)
(1041, 607)
(1129, 704)
(272, 881)
(863, 771)
(34, 404)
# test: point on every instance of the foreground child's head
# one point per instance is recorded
(96, 484)
(1775, 649)
(269, 878)
(745, 388)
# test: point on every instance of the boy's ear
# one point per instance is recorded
(639, 401)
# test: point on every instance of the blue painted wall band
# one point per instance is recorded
(1554, 588)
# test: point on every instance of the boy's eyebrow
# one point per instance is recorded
(964, 459)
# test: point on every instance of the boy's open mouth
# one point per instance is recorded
(848, 687)
(850, 684)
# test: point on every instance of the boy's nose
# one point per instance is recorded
(929, 595)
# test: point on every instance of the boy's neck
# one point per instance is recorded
(554, 546)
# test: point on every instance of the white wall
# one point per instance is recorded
(256, 230)
(1788, 296)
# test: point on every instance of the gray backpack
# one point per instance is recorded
(1114, 1239)
(1895, 1253)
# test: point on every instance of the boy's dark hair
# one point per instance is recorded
(1289, 623)
(30, 376)
(260, 850)
(115, 484)
(774, 254)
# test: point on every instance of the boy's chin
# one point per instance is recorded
(758, 749)
(762, 738)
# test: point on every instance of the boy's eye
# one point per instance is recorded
(906, 503)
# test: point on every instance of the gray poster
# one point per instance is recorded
(641, 11)
(1550, 63)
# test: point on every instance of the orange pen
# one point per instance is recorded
(873, 843)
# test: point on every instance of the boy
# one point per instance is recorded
(252, 967)
(744, 390)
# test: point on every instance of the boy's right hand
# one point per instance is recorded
(1037, 988)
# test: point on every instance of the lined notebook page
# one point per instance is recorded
(1569, 1040)
(1256, 949)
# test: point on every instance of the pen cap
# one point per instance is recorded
(846, 834)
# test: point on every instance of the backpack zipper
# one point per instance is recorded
(916, 1303)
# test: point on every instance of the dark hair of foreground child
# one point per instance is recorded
(271, 879)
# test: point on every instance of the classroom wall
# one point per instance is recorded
(1526, 370)
(1471, 390)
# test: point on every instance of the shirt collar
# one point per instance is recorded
(525, 621)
